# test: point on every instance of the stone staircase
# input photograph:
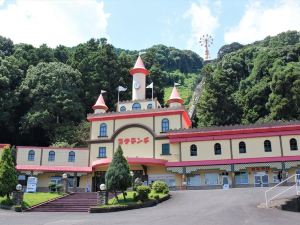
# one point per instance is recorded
(75, 202)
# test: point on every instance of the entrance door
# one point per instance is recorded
(261, 179)
(98, 179)
(225, 180)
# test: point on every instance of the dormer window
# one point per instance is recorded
(149, 106)
(136, 106)
(122, 109)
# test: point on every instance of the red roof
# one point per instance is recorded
(175, 97)
(100, 104)
(3, 145)
(139, 67)
(188, 135)
(53, 168)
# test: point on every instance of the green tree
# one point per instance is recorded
(118, 174)
(8, 173)
(51, 94)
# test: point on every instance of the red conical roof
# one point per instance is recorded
(100, 104)
(139, 67)
(175, 97)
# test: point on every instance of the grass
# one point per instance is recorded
(130, 199)
(31, 199)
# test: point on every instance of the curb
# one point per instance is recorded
(150, 203)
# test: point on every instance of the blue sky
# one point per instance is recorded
(138, 24)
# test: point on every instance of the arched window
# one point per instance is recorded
(193, 150)
(51, 156)
(103, 130)
(71, 156)
(218, 149)
(242, 147)
(165, 125)
(293, 144)
(31, 155)
(136, 106)
(149, 106)
(267, 146)
(122, 108)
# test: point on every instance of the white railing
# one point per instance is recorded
(292, 179)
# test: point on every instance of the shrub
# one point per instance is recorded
(143, 192)
(156, 197)
(160, 187)
(59, 188)
(135, 198)
(166, 192)
(52, 187)
(6, 202)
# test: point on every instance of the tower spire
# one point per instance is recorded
(175, 100)
(139, 73)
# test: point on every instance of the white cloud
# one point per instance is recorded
(1, 2)
(202, 22)
(53, 22)
(259, 22)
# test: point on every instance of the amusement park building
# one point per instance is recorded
(160, 144)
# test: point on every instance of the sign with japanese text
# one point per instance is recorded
(133, 140)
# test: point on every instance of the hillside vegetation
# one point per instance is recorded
(45, 93)
(259, 82)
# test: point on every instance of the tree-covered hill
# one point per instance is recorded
(45, 93)
(258, 82)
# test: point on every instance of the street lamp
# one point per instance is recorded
(102, 187)
(103, 194)
(19, 187)
(65, 183)
(132, 175)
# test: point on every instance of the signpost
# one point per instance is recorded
(31, 184)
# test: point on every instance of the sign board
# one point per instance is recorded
(31, 184)
(225, 186)
(133, 140)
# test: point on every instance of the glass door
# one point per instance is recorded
(261, 179)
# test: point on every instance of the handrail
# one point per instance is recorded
(272, 188)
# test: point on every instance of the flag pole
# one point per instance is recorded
(118, 98)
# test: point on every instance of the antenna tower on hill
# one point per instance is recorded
(206, 41)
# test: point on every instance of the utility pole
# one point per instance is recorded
(206, 41)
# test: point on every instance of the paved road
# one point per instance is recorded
(206, 207)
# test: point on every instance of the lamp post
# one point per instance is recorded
(103, 195)
(65, 182)
(18, 195)
(132, 175)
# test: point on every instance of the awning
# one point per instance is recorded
(131, 161)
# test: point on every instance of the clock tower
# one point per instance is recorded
(139, 73)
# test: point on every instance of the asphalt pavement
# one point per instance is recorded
(199, 207)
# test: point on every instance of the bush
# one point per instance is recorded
(160, 187)
(156, 197)
(59, 188)
(52, 187)
(135, 198)
(7, 202)
(143, 192)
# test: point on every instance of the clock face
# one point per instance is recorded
(136, 85)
